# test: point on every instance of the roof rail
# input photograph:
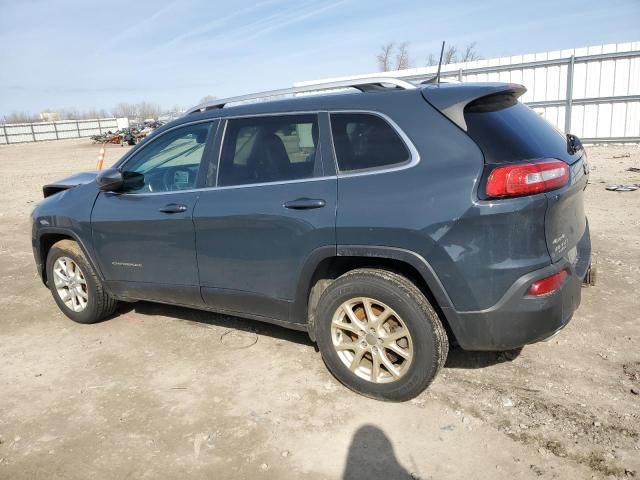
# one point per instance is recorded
(362, 84)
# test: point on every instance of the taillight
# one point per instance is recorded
(527, 178)
(547, 285)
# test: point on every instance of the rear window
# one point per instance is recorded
(364, 141)
(508, 131)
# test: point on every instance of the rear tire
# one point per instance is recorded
(379, 335)
(75, 286)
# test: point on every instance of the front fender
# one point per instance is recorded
(41, 247)
(64, 214)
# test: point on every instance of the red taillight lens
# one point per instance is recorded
(547, 285)
(527, 178)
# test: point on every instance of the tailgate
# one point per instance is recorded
(565, 221)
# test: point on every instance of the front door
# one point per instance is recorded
(144, 239)
(273, 206)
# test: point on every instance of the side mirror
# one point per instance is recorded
(113, 180)
(110, 180)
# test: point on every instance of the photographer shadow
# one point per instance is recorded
(371, 456)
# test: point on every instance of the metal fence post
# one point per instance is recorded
(55, 128)
(78, 127)
(567, 113)
(33, 135)
(4, 134)
(460, 75)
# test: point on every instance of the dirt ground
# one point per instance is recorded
(164, 392)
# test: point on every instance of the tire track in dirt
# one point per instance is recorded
(563, 430)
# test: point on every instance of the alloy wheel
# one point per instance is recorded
(70, 284)
(372, 340)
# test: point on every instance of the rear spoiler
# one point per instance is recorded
(452, 98)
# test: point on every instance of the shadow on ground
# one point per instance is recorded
(458, 358)
(371, 456)
(204, 318)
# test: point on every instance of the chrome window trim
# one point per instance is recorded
(229, 187)
(413, 151)
(414, 155)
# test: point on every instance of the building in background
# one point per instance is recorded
(49, 116)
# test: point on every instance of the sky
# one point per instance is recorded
(80, 54)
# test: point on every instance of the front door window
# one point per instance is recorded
(171, 162)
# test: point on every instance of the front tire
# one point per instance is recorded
(75, 286)
(379, 335)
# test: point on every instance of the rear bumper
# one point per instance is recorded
(517, 319)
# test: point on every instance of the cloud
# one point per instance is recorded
(230, 30)
(136, 27)
(220, 22)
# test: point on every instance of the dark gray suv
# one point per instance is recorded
(388, 223)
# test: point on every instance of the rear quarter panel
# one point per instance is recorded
(565, 220)
(477, 249)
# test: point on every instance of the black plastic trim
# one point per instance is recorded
(69, 233)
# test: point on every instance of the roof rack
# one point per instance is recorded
(362, 84)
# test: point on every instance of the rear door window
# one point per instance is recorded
(508, 131)
(363, 141)
(270, 149)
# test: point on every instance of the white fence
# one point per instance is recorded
(592, 92)
(35, 132)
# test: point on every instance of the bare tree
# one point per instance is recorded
(402, 56)
(384, 57)
(453, 55)
(470, 53)
(450, 55)
(148, 110)
(69, 114)
(392, 57)
(397, 57)
(125, 110)
(20, 117)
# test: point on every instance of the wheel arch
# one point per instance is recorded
(327, 264)
(48, 237)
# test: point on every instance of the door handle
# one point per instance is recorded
(174, 208)
(305, 203)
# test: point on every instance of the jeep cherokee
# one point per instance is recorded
(388, 223)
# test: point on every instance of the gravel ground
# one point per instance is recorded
(164, 392)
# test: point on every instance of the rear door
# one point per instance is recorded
(273, 205)
(144, 238)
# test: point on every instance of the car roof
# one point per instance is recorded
(372, 100)
(443, 96)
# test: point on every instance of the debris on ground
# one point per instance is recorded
(238, 339)
(623, 188)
